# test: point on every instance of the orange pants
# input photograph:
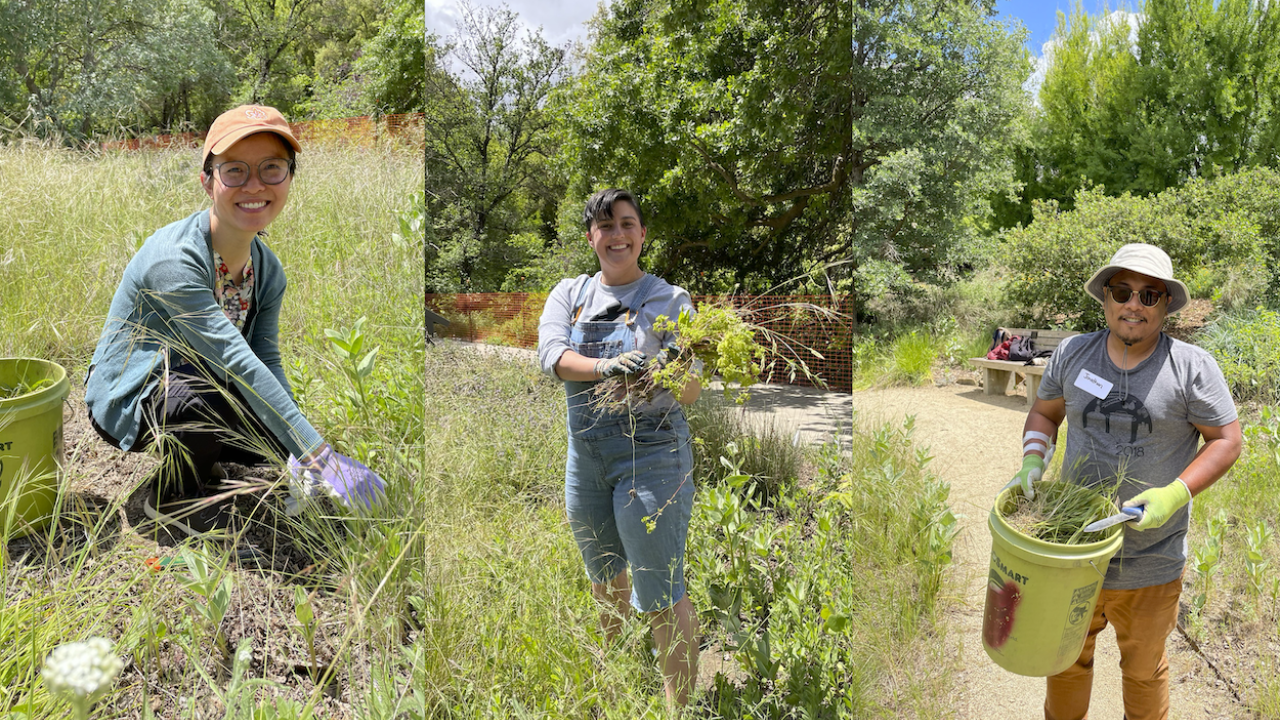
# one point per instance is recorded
(1143, 619)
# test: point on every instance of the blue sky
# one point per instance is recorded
(1040, 17)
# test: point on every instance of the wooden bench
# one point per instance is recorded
(999, 377)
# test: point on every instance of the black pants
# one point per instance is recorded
(206, 425)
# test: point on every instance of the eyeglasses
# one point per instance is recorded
(1147, 297)
(271, 171)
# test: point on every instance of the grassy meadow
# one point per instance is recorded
(817, 572)
(816, 577)
(294, 631)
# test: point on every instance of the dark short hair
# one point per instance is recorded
(600, 206)
(288, 149)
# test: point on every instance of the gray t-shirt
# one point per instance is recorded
(553, 328)
(1142, 426)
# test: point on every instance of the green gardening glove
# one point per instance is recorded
(1032, 469)
(1159, 504)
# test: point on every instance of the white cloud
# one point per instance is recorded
(1041, 64)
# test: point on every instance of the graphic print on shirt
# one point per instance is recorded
(1126, 415)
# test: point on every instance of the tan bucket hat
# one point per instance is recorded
(239, 123)
(1146, 260)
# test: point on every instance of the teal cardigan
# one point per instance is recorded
(165, 301)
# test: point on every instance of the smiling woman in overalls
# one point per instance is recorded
(626, 470)
(189, 354)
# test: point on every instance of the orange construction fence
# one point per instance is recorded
(814, 329)
(363, 131)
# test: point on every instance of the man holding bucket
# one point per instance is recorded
(1138, 403)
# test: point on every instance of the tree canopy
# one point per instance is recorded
(85, 69)
(770, 138)
(1189, 90)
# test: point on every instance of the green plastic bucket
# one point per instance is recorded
(30, 441)
(1041, 595)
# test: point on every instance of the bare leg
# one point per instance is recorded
(675, 632)
(616, 597)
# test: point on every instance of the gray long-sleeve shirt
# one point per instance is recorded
(553, 329)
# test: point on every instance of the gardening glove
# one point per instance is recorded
(1159, 504)
(624, 364)
(1032, 469)
(330, 474)
(665, 355)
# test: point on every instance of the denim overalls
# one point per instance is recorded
(628, 477)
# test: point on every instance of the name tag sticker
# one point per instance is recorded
(1093, 384)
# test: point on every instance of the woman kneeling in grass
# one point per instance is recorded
(628, 478)
(190, 351)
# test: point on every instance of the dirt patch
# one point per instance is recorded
(1187, 322)
(974, 441)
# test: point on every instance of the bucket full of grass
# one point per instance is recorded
(1046, 575)
(31, 395)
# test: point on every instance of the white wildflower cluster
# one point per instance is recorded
(82, 671)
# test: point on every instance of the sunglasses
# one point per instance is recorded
(1147, 297)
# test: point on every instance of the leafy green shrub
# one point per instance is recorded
(1255, 194)
(763, 451)
(1053, 257)
(817, 598)
(975, 301)
(1247, 348)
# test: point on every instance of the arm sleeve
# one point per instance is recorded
(553, 326)
(1051, 382)
(265, 339)
(180, 294)
(1209, 398)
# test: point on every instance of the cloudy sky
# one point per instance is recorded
(562, 21)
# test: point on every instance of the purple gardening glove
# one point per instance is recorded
(345, 480)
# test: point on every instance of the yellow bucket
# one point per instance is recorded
(30, 442)
(1041, 595)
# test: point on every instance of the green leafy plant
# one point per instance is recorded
(147, 632)
(1246, 346)
(306, 616)
(349, 345)
(212, 585)
(1207, 560)
(412, 223)
(716, 337)
(1256, 563)
(935, 527)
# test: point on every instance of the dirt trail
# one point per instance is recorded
(975, 440)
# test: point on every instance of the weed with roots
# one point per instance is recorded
(718, 339)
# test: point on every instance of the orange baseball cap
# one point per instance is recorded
(238, 123)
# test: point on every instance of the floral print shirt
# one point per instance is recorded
(234, 299)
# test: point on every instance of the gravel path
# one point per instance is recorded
(974, 440)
